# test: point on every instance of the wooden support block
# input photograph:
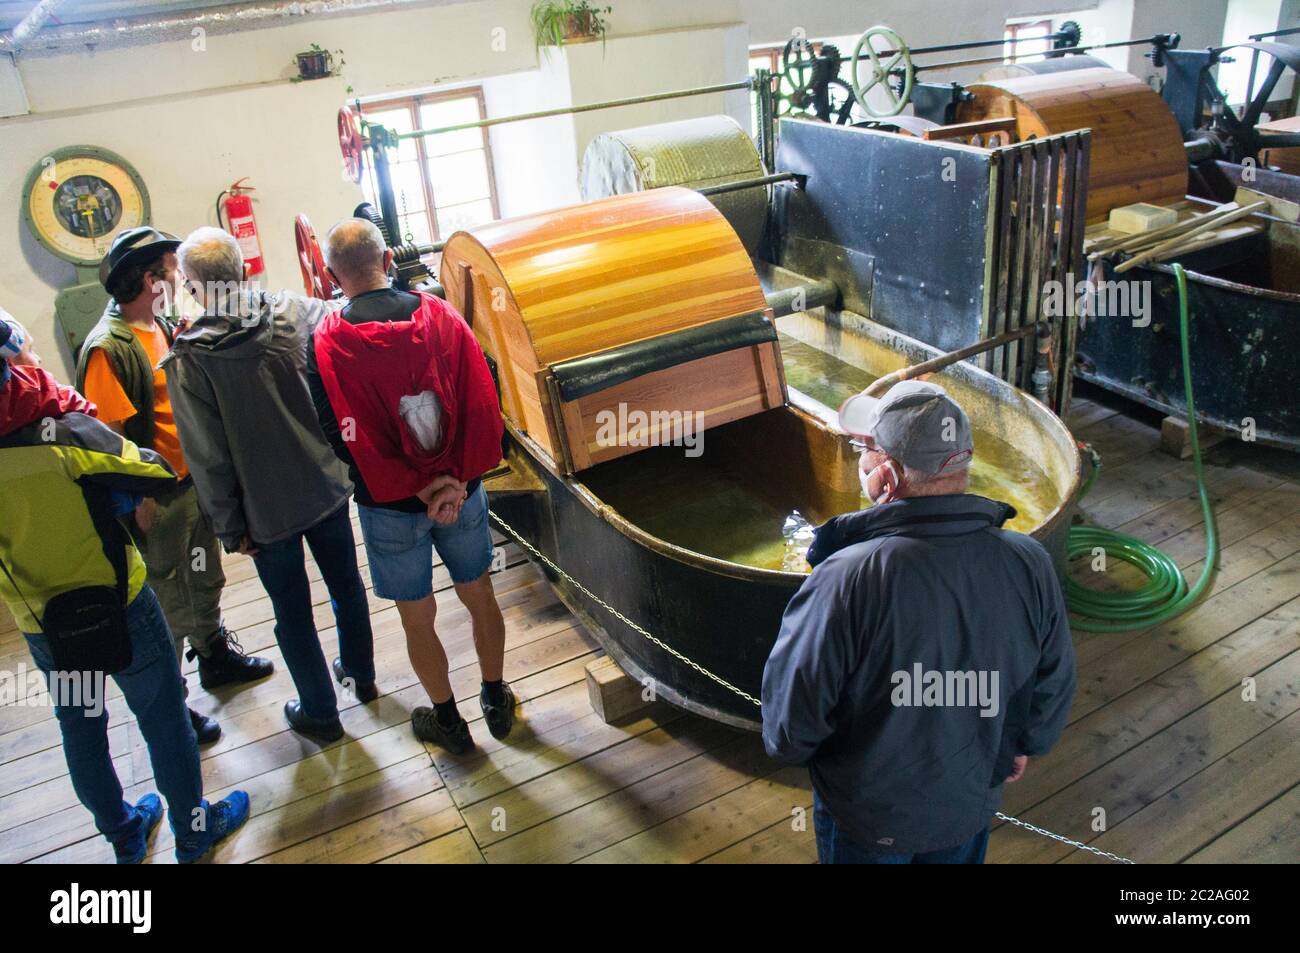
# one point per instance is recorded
(614, 694)
(1282, 208)
(1176, 440)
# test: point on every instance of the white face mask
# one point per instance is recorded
(890, 492)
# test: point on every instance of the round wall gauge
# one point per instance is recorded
(78, 197)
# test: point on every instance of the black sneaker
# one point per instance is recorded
(457, 740)
(228, 663)
(366, 692)
(317, 729)
(206, 729)
(499, 715)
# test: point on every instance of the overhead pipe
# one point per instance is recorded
(214, 21)
(36, 18)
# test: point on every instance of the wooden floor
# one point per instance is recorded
(1161, 738)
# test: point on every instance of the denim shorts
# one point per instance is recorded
(400, 548)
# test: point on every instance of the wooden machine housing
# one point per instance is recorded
(644, 302)
(1137, 149)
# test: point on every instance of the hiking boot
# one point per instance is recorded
(227, 663)
(456, 739)
(206, 729)
(132, 848)
(366, 692)
(224, 818)
(499, 712)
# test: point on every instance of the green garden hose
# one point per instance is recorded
(1165, 593)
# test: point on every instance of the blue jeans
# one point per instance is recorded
(834, 846)
(152, 688)
(282, 568)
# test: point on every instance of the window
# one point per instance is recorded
(1026, 50)
(441, 183)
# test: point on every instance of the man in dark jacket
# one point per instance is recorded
(265, 474)
(928, 655)
(117, 369)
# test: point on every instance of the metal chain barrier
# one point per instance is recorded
(534, 551)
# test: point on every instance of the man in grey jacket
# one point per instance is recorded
(926, 658)
(265, 474)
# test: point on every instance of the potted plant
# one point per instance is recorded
(556, 22)
(317, 63)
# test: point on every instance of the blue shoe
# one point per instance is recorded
(224, 818)
(132, 848)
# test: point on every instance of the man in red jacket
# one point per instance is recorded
(406, 399)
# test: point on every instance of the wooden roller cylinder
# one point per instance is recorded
(1137, 148)
(642, 304)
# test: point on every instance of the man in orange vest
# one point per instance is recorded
(117, 369)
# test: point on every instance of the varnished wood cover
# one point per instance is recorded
(1137, 149)
(546, 288)
(590, 277)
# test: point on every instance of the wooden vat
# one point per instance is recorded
(1137, 148)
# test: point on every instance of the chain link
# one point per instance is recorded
(510, 531)
(1064, 840)
(514, 534)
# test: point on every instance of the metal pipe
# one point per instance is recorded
(740, 184)
(1200, 149)
(570, 110)
(953, 64)
(214, 21)
(976, 44)
(817, 294)
(36, 18)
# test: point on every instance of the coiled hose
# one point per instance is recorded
(1165, 593)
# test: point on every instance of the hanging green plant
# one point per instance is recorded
(557, 22)
(317, 63)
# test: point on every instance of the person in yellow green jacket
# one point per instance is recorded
(64, 479)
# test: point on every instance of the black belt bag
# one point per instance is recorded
(86, 628)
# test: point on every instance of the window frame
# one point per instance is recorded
(1012, 30)
(412, 103)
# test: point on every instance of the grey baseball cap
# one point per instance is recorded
(916, 423)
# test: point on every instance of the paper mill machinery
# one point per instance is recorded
(713, 277)
(1182, 150)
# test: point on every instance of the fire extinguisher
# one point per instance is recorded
(235, 215)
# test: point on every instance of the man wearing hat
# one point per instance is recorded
(117, 369)
(927, 657)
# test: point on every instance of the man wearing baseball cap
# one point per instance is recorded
(926, 657)
(117, 369)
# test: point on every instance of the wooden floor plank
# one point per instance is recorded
(1269, 836)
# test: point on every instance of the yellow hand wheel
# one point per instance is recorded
(881, 69)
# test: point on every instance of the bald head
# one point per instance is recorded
(357, 255)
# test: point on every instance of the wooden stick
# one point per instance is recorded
(1180, 239)
(882, 384)
(1128, 242)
